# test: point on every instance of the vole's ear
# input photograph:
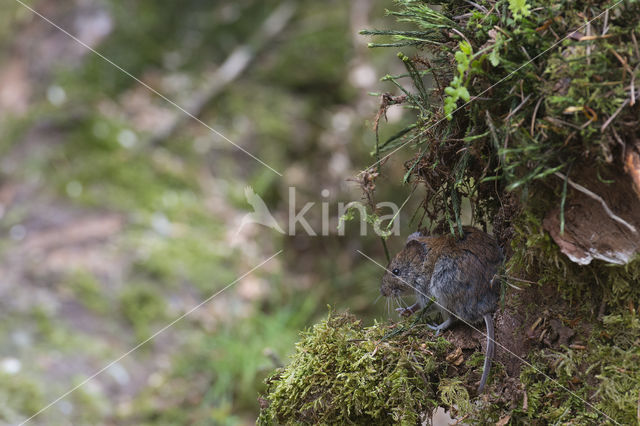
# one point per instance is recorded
(414, 236)
(417, 245)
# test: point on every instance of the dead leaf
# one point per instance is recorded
(454, 355)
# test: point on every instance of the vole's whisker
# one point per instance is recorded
(397, 301)
(403, 303)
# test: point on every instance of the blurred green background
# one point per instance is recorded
(119, 213)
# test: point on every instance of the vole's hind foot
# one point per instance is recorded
(440, 327)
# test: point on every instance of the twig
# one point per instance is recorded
(461, 35)
(625, 65)
(610, 119)
(463, 16)
(494, 136)
(493, 6)
(509, 277)
(605, 26)
(633, 82)
(235, 64)
(635, 44)
(477, 6)
(599, 199)
(588, 44)
(620, 142)
(559, 122)
(535, 112)
(524, 101)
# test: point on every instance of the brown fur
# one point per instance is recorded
(474, 257)
(457, 272)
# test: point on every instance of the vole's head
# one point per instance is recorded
(406, 270)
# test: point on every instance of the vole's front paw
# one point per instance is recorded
(408, 311)
(404, 312)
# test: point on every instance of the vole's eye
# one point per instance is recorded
(396, 271)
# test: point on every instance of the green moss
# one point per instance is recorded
(141, 305)
(20, 397)
(87, 290)
(137, 180)
(344, 373)
(218, 374)
(541, 109)
(49, 330)
(198, 258)
(453, 393)
(606, 373)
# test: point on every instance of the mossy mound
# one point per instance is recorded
(605, 372)
(345, 373)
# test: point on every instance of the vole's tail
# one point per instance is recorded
(488, 356)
